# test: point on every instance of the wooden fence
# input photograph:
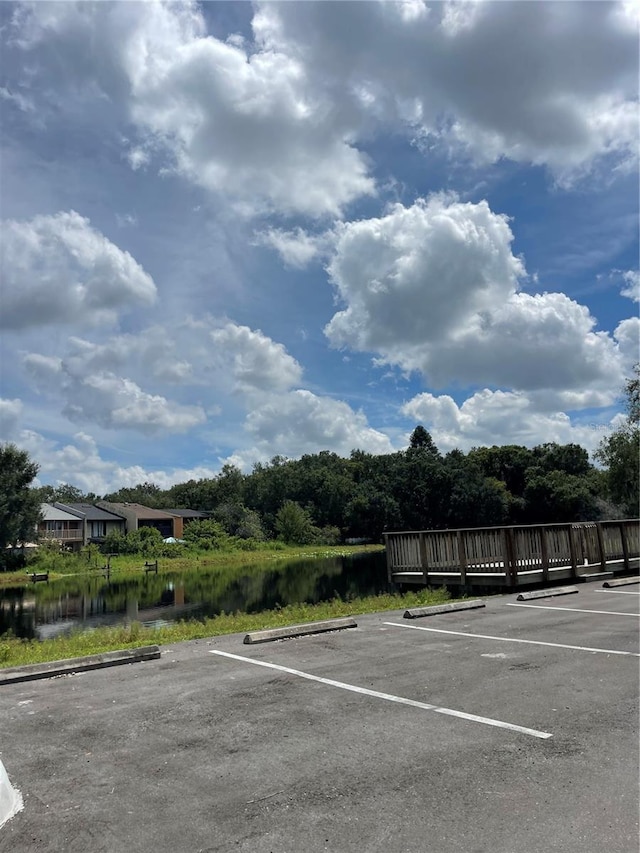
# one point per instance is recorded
(512, 556)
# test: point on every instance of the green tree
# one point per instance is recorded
(147, 494)
(207, 534)
(294, 524)
(554, 496)
(569, 458)
(19, 504)
(420, 439)
(620, 453)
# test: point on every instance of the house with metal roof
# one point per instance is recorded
(59, 525)
(137, 516)
(97, 522)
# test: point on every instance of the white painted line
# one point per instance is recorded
(571, 609)
(513, 640)
(618, 591)
(11, 801)
(390, 697)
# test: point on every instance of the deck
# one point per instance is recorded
(512, 556)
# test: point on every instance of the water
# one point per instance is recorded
(46, 610)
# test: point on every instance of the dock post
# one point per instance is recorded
(462, 558)
(424, 565)
(544, 554)
(625, 545)
(573, 551)
(601, 548)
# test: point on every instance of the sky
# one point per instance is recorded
(232, 231)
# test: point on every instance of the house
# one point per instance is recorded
(59, 525)
(137, 516)
(97, 522)
(188, 515)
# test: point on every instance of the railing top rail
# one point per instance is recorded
(563, 524)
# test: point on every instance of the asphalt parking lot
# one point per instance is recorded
(508, 728)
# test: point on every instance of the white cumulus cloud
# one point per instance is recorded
(59, 270)
(435, 288)
(547, 83)
(235, 119)
(302, 422)
(108, 400)
(254, 361)
(496, 417)
(632, 286)
(10, 412)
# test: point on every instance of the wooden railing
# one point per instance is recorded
(512, 555)
(61, 535)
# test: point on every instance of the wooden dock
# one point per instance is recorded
(512, 556)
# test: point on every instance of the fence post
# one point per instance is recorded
(544, 554)
(573, 552)
(462, 557)
(603, 555)
(422, 545)
(385, 536)
(625, 545)
(508, 557)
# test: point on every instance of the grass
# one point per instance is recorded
(63, 565)
(15, 652)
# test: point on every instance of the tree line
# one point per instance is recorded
(326, 498)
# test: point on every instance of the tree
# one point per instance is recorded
(421, 440)
(19, 504)
(206, 534)
(555, 496)
(294, 524)
(620, 453)
(147, 494)
(569, 458)
(65, 493)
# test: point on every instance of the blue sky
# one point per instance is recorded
(236, 230)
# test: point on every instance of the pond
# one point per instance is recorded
(45, 610)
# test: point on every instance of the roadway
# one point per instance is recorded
(509, 728)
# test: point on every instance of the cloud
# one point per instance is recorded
(108, 400)
(627, 335)
(253, 360)
(10, 413)
(122, 382)
(235, 119)
(80, 462)
(301, 422)
(417, 273)
(60, 270)
(545, 83)
(152, 353)
(497, 417)
(434, 288)
(632, 288)
(296, 248)
(274, 122)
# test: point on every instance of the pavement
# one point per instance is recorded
(508, 728)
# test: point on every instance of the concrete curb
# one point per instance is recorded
(417, 612)
(546, 593)
(621, 582)
(299, 630)
(10, 798)
(31, 672)
(594, 576)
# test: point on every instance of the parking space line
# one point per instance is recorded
(618, 591)
(571, 609)
(389, 697)
(514, 640)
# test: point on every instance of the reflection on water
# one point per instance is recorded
(46, 610)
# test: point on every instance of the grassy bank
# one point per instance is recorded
(14, 652)
(63, 565)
